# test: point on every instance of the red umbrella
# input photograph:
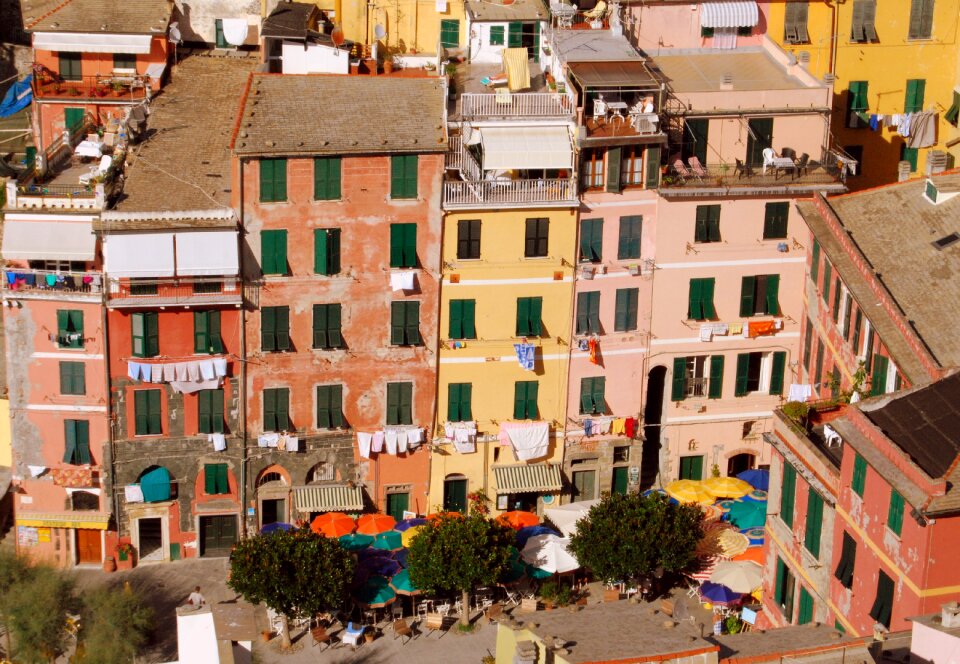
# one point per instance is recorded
(333, 524)
(371, 524)
(518, 519)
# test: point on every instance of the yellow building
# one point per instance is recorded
(412, 27)
(6, 452)
(888, 58)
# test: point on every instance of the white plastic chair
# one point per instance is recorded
(105, 162)
(599, 108)
(768, 157)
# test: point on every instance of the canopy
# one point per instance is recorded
(371, 524)
(758, 479)
(81, 520)
(565, 517)
(48, 240)
(549, 553)
(375, 593)
(727, 487)
(355, 542)
(516, 64)
(138, 254)
(207, 253)
(524, 534)
(740, 577)
(406, 537)
(155, 485)
(690, 491)
(718, 594)
(89, 42)
(729, 14)
(528, 478)
(632, 74)
(748, 514)
(18, 97)
(508, 148)
(390, 540)
(518, 519)
(332, 524)
(327, 498)
(402, 584)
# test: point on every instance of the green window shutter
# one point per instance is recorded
(403, 176)
(631, 231)
(396, 245)
(599, 394)
(827, 275)
(778, 585)
(320, 251)
(152, 325)
(210, 478)
(778, 371)
(220, 40)
(336, 406)
(140, 412)
(716, 377)
(70, 441)
(201, 335)
(273, 180)
(393, 403)
(70, 328)
(814, 524)
(82, 440)
(268, 328)
(743, 370)
(214, 337)
(815, 262)
(748, 287)
(466, 401)
(270, 410)
(913, 101)
(695, 300)
(523, 316)
(895, 513)
(525, 400)
(273, 251)
(583, 313)
(326, 178)
(396, 183)
(320, 338)
(701, 233)
(878, 379)
(456, 319)
(679, 391)
(837, 294)
(469, 319)
(591, 240)
(72, 378)
(410, 245)
(283, 328)
(216, 410)
(882, 608)
(334, 325)
(586, 396)
(412, 323)
(450, 33)
(223, 484)
(496, 35)
(533, 388)
(406, 403)
(707, 298)
(515, 34)
(713, 223)
(459, 397)
(625, 314)
(805, 612)
(397, 319)
(848, 557)
(909, 155)
(536, 316)
(788, 493)
(652, 180)
(775, 221)
(953, 113)
(773, 295)
(859, 475)
(153, 401)
(613, 170)
(204, 411)
(283, 408)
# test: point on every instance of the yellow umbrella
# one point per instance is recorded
(727, 487)
(690, 491)
(409, 534)
(732, 543)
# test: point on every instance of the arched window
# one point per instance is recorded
(270, 477)
(84, 500)
(322, 472)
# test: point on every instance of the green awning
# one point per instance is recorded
(155, 485)
(528, 478)
(328, 498)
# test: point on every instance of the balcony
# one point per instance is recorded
(51, 285)
(109, 88)
(806, 436)
(730, 179)
(555, 192)
(515, 106)
(122, 293)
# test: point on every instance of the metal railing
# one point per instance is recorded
(730, 175)
(57, 190)
(176, 290)
(52, 282)
(697, 387)
(459, 158)
(517, 105)
(509, 192)
(107, 87)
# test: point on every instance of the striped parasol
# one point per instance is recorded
(732, 543)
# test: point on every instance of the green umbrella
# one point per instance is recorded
(514, 572)
(748, 514)
(376, 593)
(537, 573)
(390, 540)
(356, 541)
(403, 585)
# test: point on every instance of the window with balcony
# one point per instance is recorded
(405, 324)
(399, 403)
(145, 328)
(329, 406)
(691, 378)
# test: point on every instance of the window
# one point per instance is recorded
(805, 611)
(706, 32)
(403, 245)
(759, 295)
(207, 287)
(878, 378)
(529, 316)
(326, 178)
(783, 589)
(818, 369)
(525, 400)
(629, 245)
(863, 26)
(694, 376)
(403, 176)
(691, 468)
(807, 345)
(273, 252)
(210, 411)
(326, 251)
(625, 313)
(462, 319)
(274, 328)
(496, 35)
(847, 315)
(848, 558)
(716, 377)
(405, 323)
(399, 403)
(591, 240)
(450, 33)
(459, 402)
(329, 406)
(788, 492)
(621, 454)
(143, 289)
(700, 304)
(883, 604)
(73, 119)
(592, 170)
(206, 332)
(815, 262)
(748, 373)
(215, 479)
(536, 236)
(857, 331)
(276, 409)
(326, 326)
(707, 227)
(696, 131)
(125, 61)
(146, 335)
(588, 313)
(895, 513)
(273, 180)
(859, 475)
(795, 24)
(221, 41)
(631, 166)
(592, 400)
(759, 137)
(397, 504)
(827, 276)
(913, 100)
(72, 378)
(921, 19)
(857, 105)
(76, 439)
(69, 328)
(146, 409)
(70, 69)
(814, 526)
(468, 239)
(775, 221)
(909, 155)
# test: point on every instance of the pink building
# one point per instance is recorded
(725, 24)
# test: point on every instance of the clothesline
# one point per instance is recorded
(390, 440)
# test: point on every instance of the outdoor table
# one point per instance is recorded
(618, 107)
(89, 149)
(784, 163)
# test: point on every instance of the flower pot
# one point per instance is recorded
(388, 66)
(369, 636)
(265, 635)
(109, 564)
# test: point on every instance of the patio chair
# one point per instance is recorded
(513, 597)
(493, 612)
(768, 156)
(443, 609)
(434, 623)
(803, 164)
(424, 607)
(742, 169)
(599, 108)
(698, 170)
(97, 171)
(400, 629)
(321, 635)
(681, 170)
(352, 635)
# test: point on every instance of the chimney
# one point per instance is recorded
(903, 171)
(936, 162)
(950, 615)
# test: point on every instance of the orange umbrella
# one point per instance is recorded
(518, 519)
(437, 516)
(371, 524)
(332, 524)
(753, 554)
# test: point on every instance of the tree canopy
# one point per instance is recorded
(627, 537)
(37, 608)
(115, 626)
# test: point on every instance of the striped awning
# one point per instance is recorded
(328, 498)
(528, 478)
(83, 520)
(729, 14)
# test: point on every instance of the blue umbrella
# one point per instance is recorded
(275, 526)
(756, 496)
(531, 531)
(376, 566)
(718, 594)
(407, 524)
(755, 535)
(758, 479)
(663, 493)
(401, 556)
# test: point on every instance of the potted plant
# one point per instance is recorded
(549, 592)
(117, 88)
(125, 555)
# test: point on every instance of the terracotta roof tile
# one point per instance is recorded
(128, 16)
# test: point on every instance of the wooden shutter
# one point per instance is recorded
(396, 177)
(593, 312)
(496, 35)
(790, 23)
(326, 178)
(856, 26)
(706, 300)
(805, 612)
(201, 333)
(397, 314)
(748, 287)
(788, 493)
(716, 377)
(214, 338)
(679, 391)
(869, 19)
(814, 525)
(779, 583)
(469, 319)
(533, 388)
(334, 325)
(583, 313)
(700, 233)
(205, 411)
(283, 328)
(396, 245)
(536, 316)
(914, 97)
(586, 396)
(743, 374)
(815, 262)
(456, 319)
(859, 475)
(652, 168)
(320, 324)
(916, 19)
(141, 426)
(466, 401)
(695, 301)
(895, 513)
(614, 157)
(631, 230)
(827, 276)
(772, 295)
(523, 316)
(153, 408)
(406, 403)
(268, 243)
(515, 34)
(283, 408)
(878, 380)
(268, 328)
(270, 410)
(409, 245)
(598, 395)
(333, 251)
(449, 33)
(777, 372)
(412, 323)
(321, 264)
(82, 441)
(336, 405)
(210, 478)
(69, 441)
(625, 311)
(591, 239)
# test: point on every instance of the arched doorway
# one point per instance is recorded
(455, 493)
(273, 491)
(740, 462)
(652, 420)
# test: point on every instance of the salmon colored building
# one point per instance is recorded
(338, 183)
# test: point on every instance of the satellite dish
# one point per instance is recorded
(174, 33)
(379, 31)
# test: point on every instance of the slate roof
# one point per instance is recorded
(289, 19)
(519, 10)
(332, 114)
(110, 16)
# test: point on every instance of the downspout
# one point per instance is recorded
(243, 371)
(834, 28)
(111, 442)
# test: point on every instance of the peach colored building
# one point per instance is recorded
(659, 25)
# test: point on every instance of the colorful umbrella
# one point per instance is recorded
(566, 516)
(711, 513)
(517, 519)
(371, 524)
(758, 479)
(718, 594)
(752, 554)
(725, 505)
(333, 524)
(402, 584)
(690, 491)
(377, 566)
(530, 531)
(748, 514)
(727, 487)
(732, 543)
(401, 556)
(536, 572)
(514, 572)
(756, 495)
(390, 540)
(355, 541)
(406, 524)
(549, 553)
(275, 527)
(376, 593)
(740, 577)
(755, 535)
(406, 537)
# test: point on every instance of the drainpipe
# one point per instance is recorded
(243, 370)
(111, 444)
(834, 27)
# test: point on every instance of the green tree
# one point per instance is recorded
(13, 568)
(38, 606)
(115, 626)
(295, 573)
(629, 537)
(456, 554)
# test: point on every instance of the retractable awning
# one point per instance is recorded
(528, 478)
(729, 14)
(207, 253)
(89, 42)
(328, 498)
(508, 148)
(84, 520)
(49, 240)
(138, 255)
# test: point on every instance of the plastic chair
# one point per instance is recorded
(698, 170)
(599, 108)
(681, 170)
(352, 635)
(768, 157)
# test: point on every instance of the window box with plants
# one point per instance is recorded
(126, 555)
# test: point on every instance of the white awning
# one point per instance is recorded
(729, 14)
(91, 42)
(138, 255)
(507, 148)
(207, 253)
(49, 240)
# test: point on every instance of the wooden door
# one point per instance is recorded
(88, 547)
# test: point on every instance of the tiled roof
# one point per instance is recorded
(703, 70)
(324, 114)
(128, 16)
(185, 163)
(519, 10)
(289, 19)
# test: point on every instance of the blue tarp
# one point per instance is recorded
(155, 485)
(18, 97)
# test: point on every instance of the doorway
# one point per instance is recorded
(620, 480)
(652, 417)
(739, 463)
(455, 494)
(584, 485)
(397, 504)
(150, 538)
(272, 510)
(218, 534)
(89, 547)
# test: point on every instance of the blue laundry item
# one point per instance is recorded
(133, 370)
(874, 122)
(526, 354)
(588, 427)
(31, 279)
(11, 278)
(18, 97)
